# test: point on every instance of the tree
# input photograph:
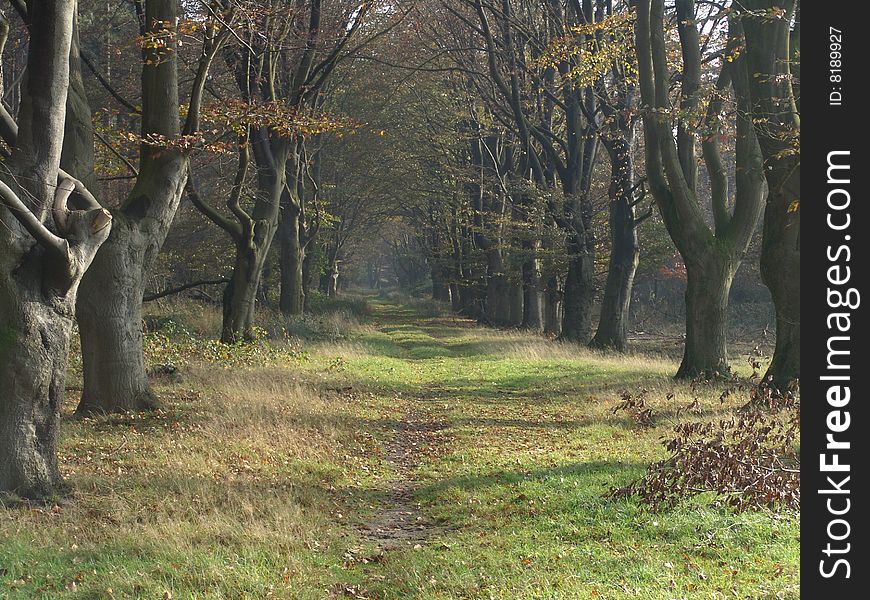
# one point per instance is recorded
(280, 76)
(605, 61)
(45, 249)
(772, 47)
(712, 255)
(109, 309)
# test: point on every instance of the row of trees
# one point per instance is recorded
(511, 146)
(536, 95)
(215, 77)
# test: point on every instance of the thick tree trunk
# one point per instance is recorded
(612, 330)
(34, 345)
(292, 259)
(772, 48)
(109, 313)
(515, 303)
(780, 271)
(240, 297)
(533, 306)
(707, 289)
(579, 296)
(552, 307)
(111, 292)
(44, 250)
(497, 290)
(254, 237)
(37, 298)
(109, 307)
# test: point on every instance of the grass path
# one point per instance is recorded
(420, 457)
(512, 485)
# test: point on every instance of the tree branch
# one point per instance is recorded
(182, 288)
(59, 247)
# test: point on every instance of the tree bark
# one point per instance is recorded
(771, 47)
(712, 256)
(709, 283)
(240, 295)
(552, 307)
(109, 313)
(497, 289)
(109, 307)
(612, 330)
(515, 303)
(34, 346)
(533, 307)
(254, 241)
(579, 295)
(780, 271)
(307, 277)
(45, 248)
(292, 259)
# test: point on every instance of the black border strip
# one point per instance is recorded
(832, 123)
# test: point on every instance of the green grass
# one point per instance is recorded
(253, 483)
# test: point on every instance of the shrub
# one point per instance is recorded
(174, 346)
(748, 461)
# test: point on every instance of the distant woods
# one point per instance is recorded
(521, 159)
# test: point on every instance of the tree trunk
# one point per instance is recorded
(515, 303)
(240, 295)
(34, 345)
(616, 305)
(109, 312)
(292, 259)
(455, 297)
(707, 289)
(110, 298)
(307, 276)
(256, 232)
(579, 296)
(533, 308)
(440, 289)
(497, 290)
(264, 288)
(45, 248)
(780, 271)
(552, 306)
(109, 307)
(772, 48)
(458, 291)
(612, 330)
(332, 285)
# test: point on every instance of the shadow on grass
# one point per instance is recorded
(596, 473)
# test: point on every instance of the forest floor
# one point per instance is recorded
(404, 454)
